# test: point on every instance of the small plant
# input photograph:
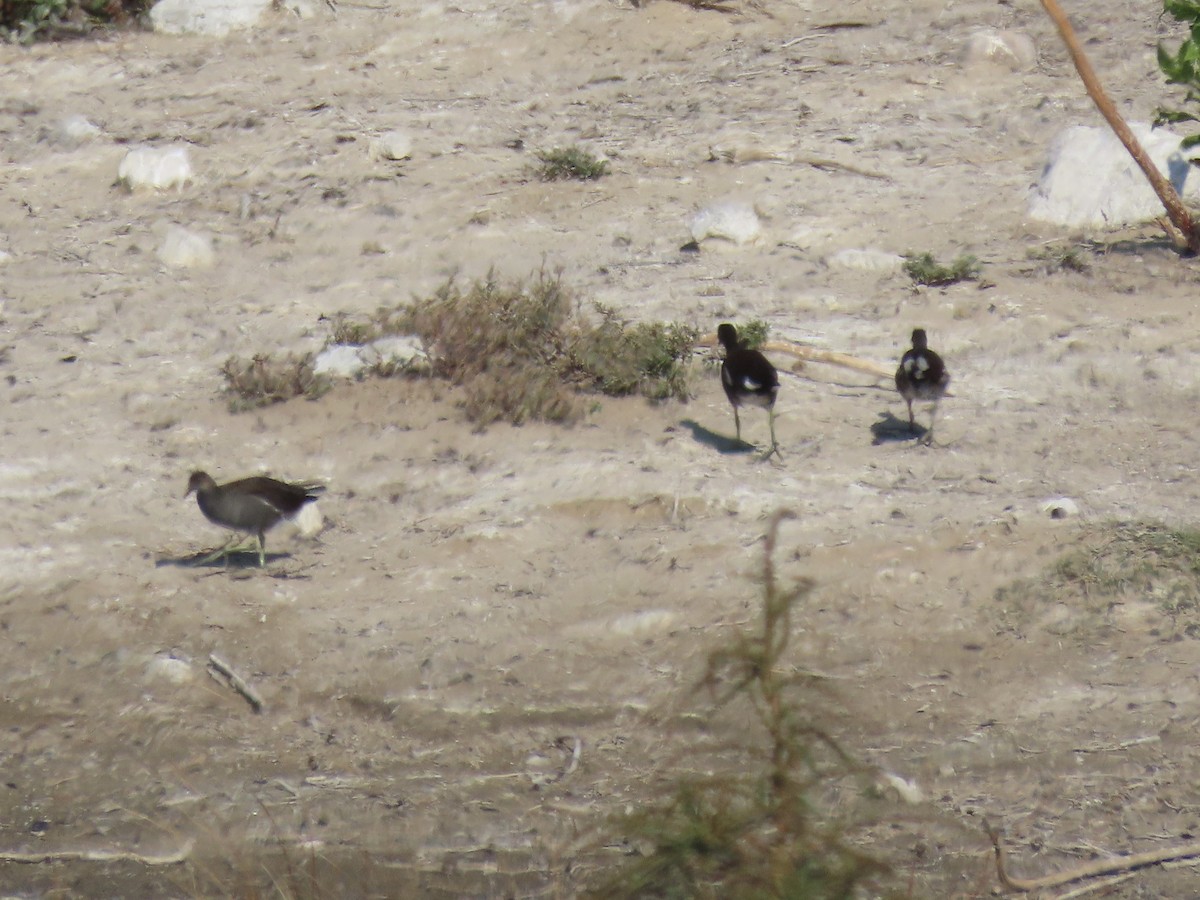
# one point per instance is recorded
(1120, 562)
(922, 268)
(31, 20)
(265, 379)
(525, 351)
(570, 163)
(761, 832)
(1060, 258)
(1182, 67)
(352, 331)
(753, 334)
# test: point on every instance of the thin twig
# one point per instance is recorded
(235, 681)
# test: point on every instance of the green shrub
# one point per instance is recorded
(922, 268)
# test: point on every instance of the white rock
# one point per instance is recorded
(349, 360)
(731, 220)
(73, 131)
(1012, 50)
(212, 17)
(404, 349)
(5, 257)
(303, 9)
(186, 249)
(1091, 180)
(309, 520)
(170, 669)
(1061, 508)
(156, 168)
(643, 623)
(393, 145)
(866, 260)
(340, 361)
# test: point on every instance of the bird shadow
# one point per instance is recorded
(888, 430)
(237, 559)
(719, 442)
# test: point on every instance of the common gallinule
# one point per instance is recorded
(748, 377)
(922, 376)
(252, 505)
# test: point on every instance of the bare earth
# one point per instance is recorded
(482, 604)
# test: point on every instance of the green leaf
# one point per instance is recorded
(1183, 10)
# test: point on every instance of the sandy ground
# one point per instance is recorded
(480, 604)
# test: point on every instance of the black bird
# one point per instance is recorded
(747, 377)
(252, 505)
(922, 376)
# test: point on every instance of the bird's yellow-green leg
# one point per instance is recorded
(774, 451)
(224, 550)
(737, 421)
(262, 550)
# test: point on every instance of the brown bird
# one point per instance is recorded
(922, 376)
(748, 377)
(252, 506)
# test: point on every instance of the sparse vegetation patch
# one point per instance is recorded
(922, 268)
(1117, 563)
(268, 379)
(570, 163)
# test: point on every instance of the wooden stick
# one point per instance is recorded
(235, 681)
(1087, 870)
(812, 354)
(146, 859)
(1179, 214)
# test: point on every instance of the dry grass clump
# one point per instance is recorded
(1116, 563)
(526, 352)
(922, 268)
(267, 379)
(575, 163)
(762, 831)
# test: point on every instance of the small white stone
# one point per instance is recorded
(309, 520)
(865, 260)
(73, 131)
(1061, 508)
(156, 168)
(170, 669)
(730, 220)
(186, 249)
(393, 145)
(642, 623)
(1012, 50)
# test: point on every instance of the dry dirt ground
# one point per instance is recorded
(481, 604)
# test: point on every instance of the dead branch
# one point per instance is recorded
(218, 666)
(146, 859)
(812, 354)
(1087, 870)
(1178, 213)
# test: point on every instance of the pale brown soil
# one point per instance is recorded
(481, 601)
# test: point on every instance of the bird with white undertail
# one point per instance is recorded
(748, 379)
(922, 376)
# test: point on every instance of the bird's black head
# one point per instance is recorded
(199, 481)
(920, 341)
(727, 335)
